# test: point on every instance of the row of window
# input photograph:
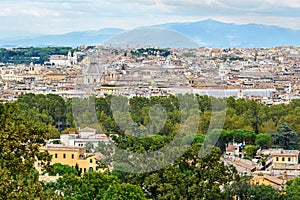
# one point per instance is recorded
(72, 156)
(90, 169)
(81, 170)
(283, 159)
(64, 156)
(95, 80)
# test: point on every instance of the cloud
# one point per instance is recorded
(38, 12)
(5, 12)
(56, 16)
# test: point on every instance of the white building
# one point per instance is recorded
(62, 60)
(235, 149)
(83, 137)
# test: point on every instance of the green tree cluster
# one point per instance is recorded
(93, 185)
(20, 140)
(37, 55)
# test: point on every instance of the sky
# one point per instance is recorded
(58, 16)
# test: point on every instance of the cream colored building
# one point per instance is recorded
(286, 157)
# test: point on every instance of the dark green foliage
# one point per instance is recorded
(50, 108)
(20, 139)
(263, 140)
(37, 55)
(263, 192)
(293, 189)
(93, 185)
(62, 170)
(151, 51)
(289, 138)
(242, 189)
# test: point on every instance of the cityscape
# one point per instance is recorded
(270, 75)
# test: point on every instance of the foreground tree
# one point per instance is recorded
(20, 140)
(263, 192)
(242, 189)
(293, 189)
(189, 177)
(93, 185)
(62, 170)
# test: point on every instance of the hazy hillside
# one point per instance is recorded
(69, 39)
(218, 34)
(152, 37)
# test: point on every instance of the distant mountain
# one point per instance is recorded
(152, 37)
(218, 34)
(69, 39)
(209, 33)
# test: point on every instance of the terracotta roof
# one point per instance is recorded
(275, 180)
(230, 148)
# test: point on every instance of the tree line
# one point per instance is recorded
(36, 55)
(245, 120)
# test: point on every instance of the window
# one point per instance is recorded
(91, 160)
(94, 80)
(277, 159)
(55, 155)
(72, 156)
(84, 170)
(289, 159)
(283, 159)
(64, 156)
(90, 169)
(97, 168)
(39, 164)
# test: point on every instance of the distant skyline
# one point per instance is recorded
(58, 16)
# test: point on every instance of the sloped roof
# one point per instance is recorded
(87, 129)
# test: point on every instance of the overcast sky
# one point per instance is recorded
(58, 16)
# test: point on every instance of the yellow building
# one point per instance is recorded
(265, 178)
(71, 156)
